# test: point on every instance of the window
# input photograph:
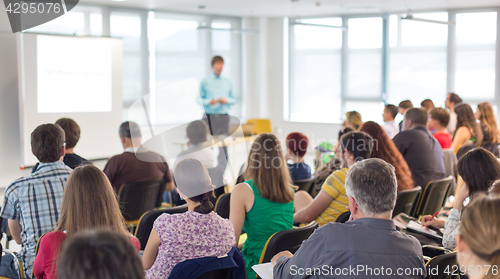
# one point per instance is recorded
(475, 56)
(417, 59)
(315, 71)
(79, 21)
(182, 54)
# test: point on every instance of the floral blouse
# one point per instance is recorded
(187, 236)
(451, 229)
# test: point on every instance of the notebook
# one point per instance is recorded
(265, 270)
(417, 227)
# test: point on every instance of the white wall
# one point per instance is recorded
(264, 84)
(10, 141)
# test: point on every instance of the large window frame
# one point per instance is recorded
(450, 49)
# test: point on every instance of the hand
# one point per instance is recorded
(282, 253)
(213, 102)
(435, 223)
(223, 101)
(459, 200)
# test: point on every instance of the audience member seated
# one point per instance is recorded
(452, 100)
(99, 254)
(72, 132)
(198, 233)
(296, 144)
(478, 244)
(422, 152)
(403, 107)
(352, 119)
(491, 136)
(322, 173)
(32, 204)
(390, 127)
(369, 238)
(467, 129)
(89, 202)
(128, 168)
(197, 132)
(263, 204)
(332, 200)
(385, 149)
(439, 118)
(427, 105)
(478, 168)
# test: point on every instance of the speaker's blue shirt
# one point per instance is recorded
(216, 87)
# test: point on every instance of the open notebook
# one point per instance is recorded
(417, 227)
(265, 270)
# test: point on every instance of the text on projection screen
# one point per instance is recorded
(73, 75)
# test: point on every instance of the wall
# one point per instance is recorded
(10, 147)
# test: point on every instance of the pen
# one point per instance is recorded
(434, 215)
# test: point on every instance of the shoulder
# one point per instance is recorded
(118, 157)
(52, 238)
(241, 189)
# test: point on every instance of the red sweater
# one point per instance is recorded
(45, 261)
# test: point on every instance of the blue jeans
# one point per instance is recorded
(8, 268)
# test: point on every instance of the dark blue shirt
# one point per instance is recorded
(299, 171)
(423, 153)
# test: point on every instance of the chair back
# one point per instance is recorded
(450, 167)
(442, 263)
(222, 205)
(433, 196)
(286, 240)
(344, 217)
(147, 219)
(406, 200)
(139, 197)
(229, 266)
(260, 125)
(305, 184)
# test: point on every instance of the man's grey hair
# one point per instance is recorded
(372, 184)
(130, 129)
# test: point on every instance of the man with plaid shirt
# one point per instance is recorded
(32, 204)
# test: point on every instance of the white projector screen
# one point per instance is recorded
(75, 77)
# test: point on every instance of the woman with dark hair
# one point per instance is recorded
(198, 233)
(89, 202)
(98, 254)
(479, 169)
(385, 149)
(467, 128)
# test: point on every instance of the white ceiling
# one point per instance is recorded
(279, 8)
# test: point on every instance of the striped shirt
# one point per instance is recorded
(334, 186)
(35, 201)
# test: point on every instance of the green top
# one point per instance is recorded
(263, 220)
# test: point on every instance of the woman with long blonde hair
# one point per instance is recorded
(478, 243)
(263, 204)
(484, 113)
(89, 202)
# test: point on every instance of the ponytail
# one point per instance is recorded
(205, 206)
